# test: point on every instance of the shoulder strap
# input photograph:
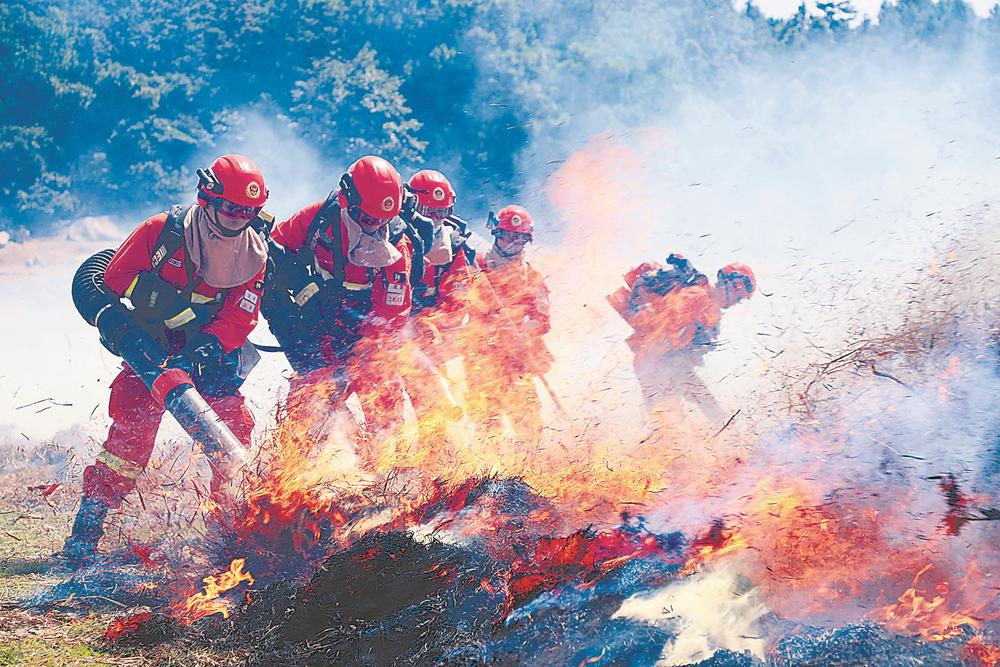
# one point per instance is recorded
(328, 215)
(460, 236)
(171, 237)
(170, 240)
(400, 228)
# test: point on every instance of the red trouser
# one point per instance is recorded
(135, 419)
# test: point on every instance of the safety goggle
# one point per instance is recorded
(364, 219)
(232, 210)
(434, 213)
(511, 238)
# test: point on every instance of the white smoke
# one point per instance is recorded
(706, 612)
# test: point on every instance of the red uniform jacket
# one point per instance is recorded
(684, 318)
(383, 294)
(240, 305)
(505, 298)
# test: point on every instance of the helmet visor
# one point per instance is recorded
(511, 240)
(232, 210)
(365, 220)
(433, 212)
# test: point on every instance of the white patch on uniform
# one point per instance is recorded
(251, 296)
(173, 261)
(249, 306)
(395, 294)
(158, 255)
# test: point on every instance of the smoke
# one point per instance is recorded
(835, 169)
(706, 612)
(857, 176)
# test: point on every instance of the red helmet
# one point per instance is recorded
(740, 277)
(235, 179)
(435, 196)
(514, 218)
(373, 191)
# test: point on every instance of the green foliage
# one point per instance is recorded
(106, 101)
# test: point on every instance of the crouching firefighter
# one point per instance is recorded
(674, 313)
(194, 276)
(340, 291)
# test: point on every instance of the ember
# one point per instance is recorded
(126, 626)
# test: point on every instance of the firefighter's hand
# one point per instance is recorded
(180, 362)
(156, 299)
(533, 327)
(204, 352)
(286, 272)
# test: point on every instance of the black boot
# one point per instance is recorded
(88, 529)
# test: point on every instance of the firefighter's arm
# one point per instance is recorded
(291, 233)
(454, 293)
(134, 256)
(537, 322)
(130, 274)
(619, 301)
(238, 315)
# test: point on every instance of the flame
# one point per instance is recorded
(715, 544)
(121, 627)
(811, 552)
(981, 653)
(915, 612)
(584, 557)
(207, 602)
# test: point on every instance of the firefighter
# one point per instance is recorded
(509, 314)
(440, 294)
(194, 276)
(674, 313)
(341, 291)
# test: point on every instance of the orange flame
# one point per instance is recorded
(981, 653)
(207, 602)
(917, 613)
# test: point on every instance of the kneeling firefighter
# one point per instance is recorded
(194, 276)
(340, 290)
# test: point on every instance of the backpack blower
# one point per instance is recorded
(172, 387)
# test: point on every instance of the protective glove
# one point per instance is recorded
(291, 275)
(204, 352)
(157, 300)
(180, 362)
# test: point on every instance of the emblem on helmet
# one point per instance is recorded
(438, 193)
(253, 190)
(388, 204)
(516, 221)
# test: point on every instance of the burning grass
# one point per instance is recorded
(855, 529)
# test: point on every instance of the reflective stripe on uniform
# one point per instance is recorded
(119, 465)
(128, 292)
(348, 285)
(180, 319)
(199, 299)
